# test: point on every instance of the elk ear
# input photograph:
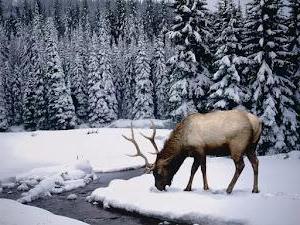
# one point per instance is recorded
(149, 168)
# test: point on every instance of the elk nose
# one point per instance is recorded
(160, 187)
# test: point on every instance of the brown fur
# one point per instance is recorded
(234, 132)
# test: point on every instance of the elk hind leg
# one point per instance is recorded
(203, 169)
(239, 166)
(194, 169)
(254, 162)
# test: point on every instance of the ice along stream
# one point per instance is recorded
(84, 211)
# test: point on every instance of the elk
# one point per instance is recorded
(232, 133)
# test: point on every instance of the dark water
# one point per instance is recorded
(81, 210)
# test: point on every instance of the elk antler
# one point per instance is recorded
(151, 139)
(139, 153)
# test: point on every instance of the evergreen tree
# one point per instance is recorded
(58, 20)
(160, 78)
(189, 75)
(1, 13)
(60, 105)
(294, 47)
(143, 105)
(106, 75)
(120, 18)
(78, 74)
(149, 20)
(3, 113)
(129, 81)
(272, 95)
(226, 93)
(98, 107)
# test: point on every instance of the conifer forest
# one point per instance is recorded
(64, 63)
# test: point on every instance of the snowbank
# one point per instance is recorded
(124, 123)
(277, 203)
(43, 182)
(105, 149)
(13, 213)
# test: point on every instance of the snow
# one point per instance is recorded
(43, 163)
(277, 203)
(54, 151)
(13, 213)
(72, 197)
(125, 123)
(53, 180)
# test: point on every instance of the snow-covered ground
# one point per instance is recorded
(14, 213)
(277, 203)
(47, 162)
(104, 148)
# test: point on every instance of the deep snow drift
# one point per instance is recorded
(13, 213)
(277, 203)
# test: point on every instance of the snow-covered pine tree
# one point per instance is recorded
(189, 76)
(38, 47)
(130, 52)
(3, 71)
(34, 115)
(1, 12)
(149, 20)
(78, 74)
(58, 19)
(106, 74)
(272, 94)
(13, 81)
(143, 107)
(120, 18)
(60, 105)
(98, 107)
(226, 92)
(3, 112)
(161, 82)
(129, 82)
(294, 47)
(201, 81)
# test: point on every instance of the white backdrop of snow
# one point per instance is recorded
(277, 203)
(45, 162)
(13, 213)
(104, 148)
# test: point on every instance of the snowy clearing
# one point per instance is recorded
(45, 162)
(104, 148)
(277, 203)
(13, 213)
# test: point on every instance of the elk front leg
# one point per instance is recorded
(203, 169)
(239, 166)
(194, 169)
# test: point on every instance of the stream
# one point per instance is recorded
(84, 211)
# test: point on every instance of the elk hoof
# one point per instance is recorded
(228, 191)
(255, 191)
(206, 188)
(188, 189)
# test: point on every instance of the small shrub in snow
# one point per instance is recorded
(72, 197)
(92, 132)
(23, 187)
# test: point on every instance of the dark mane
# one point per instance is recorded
(172, 144)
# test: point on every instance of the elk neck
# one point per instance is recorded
(172, 153)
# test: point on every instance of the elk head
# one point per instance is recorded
(162, 172)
